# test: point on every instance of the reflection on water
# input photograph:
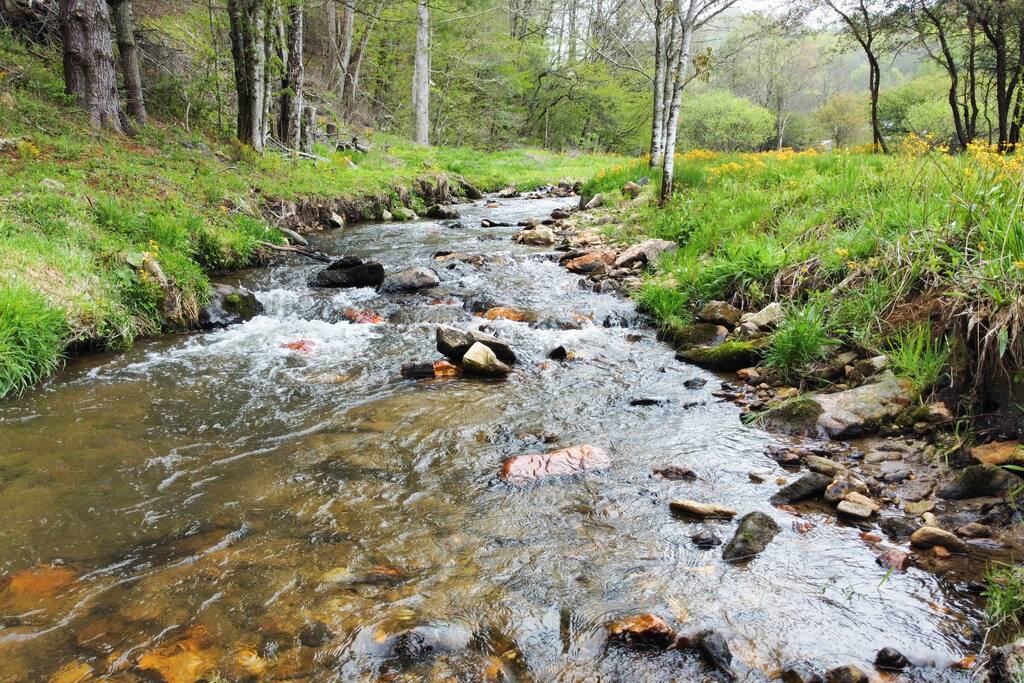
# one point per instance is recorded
(218, 503)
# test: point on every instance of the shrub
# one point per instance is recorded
(32, 338)
(721, 121)
(801, 340)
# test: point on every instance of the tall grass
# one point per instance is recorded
(1005, 595)
(32, 338)
(801, 340)
(919, 355)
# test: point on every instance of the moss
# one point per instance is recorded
(730, 355)
(797, 415)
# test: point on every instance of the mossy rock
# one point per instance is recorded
(797, 416)
(730, 355)
(684, 337)
(401, 213)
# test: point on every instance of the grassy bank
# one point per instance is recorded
(82, 212)
(919, 255)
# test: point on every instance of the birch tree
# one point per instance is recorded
(248, 19)
(421, 75)
(291, 101)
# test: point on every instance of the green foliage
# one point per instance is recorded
(844, 119)
(720, 121)
(32, 337)
(801, 340)
(919, 355)
(1005, 595)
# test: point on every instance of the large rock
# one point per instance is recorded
(595, 201)
(541, 236)
(454, 343)
(807, 486)
(720, 313)
(350, 272)
(480, 360)
(630, 190)
(730, 355)
(768, 318)
(229, 305)
(930, 536)
(692, 508)
(470, 190)
(410, 279)
(439, 212)
(401, 213)
(976, 481)
(864, 409)
(588, 263)
(521, 469)
(846, 674)
(714, 649)
(999, 453)
(755, 532)
(645, 253)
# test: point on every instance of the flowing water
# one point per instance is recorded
(217, 502)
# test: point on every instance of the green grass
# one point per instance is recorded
(1005, 596)
(32, 337)
(879, 245)
(801, 340)
(82, 209)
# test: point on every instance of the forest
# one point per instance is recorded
(511, 340)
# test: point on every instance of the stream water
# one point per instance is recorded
(217, 502)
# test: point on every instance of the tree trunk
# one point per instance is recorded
(874, 86)
(658, 115)
(124, 27)
(308, 127)
(248, 51)
(294, 77)
(89, 74)
(345, 39)
(573, 19)
(421, 75)
(355, 66)
(679, 81)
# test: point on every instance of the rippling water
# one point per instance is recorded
(237, 507)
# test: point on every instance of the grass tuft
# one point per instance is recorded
(32, 338)
(801, 340)
(919, 355)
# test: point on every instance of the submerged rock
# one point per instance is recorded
(642, 629)
(350, 272)
(846, 674)
(675, 472)
(976, 481)
(229, 305)
(800, 672)
(522, 469)
(481, 360)
(928, 537)
(706, 539)
(693, 508)
(755, 532)
(410, 280)
(714, 649)
(891, 658)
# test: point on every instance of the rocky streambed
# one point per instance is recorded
(462, 463)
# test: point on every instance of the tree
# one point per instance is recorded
(289, 127)
(248, 22)
(89, 74)
(720, 121)
(124, 27)
(842, 118)
(421, 75)
(868, 24)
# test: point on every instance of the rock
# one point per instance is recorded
(695, 334)
(454, 343)
(424, 641)
(730, 355)
(401, 213)
(417, 370)
(846, 674)
(335, 220)
(528, 223)
(445, 213)
(929, 536)
(8, 144)
(52, 185)
(864, 409)
(509, 192)
(315, 634)
(755, 532)
(508, 313)
(976, 481)
(714, 649)
(919, 508)
(858, 498)
(720, 313)
(521, 469)
(630, 190)
(645, 253)
(692, 508)
(386, 216)
(182, 661)
(293, 237)
(831, 369)
(695, 383)
(706, 539)
(470, 190)
(481, 360)
(595, 201)
(894, 559)
(590, 262)
(675, 473)
(350, 272)
(410, 279)
(856, 510)
(807, 486)
(822, 465)
(643, 629)
(974, 530)
(891, 659)
(999, 453)
(768, 318)
(841, 485)
(542, 236)
(229, 305)
(800, 672)
(868, 368)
